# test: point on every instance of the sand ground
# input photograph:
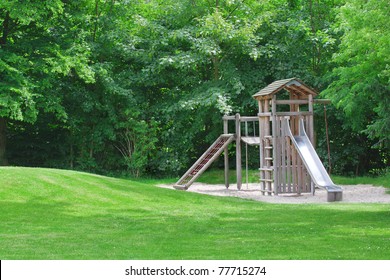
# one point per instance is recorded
(351, 194)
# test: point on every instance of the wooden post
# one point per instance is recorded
(238, 152)
(311, 119)
(288, 144)
(274, 144)
(226, 154)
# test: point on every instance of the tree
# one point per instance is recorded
(141, 86)
(34, 53)
(360, 82)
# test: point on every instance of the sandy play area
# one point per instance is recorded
(351, 194)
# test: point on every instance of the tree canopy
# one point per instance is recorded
(361, 79)
(139, 87)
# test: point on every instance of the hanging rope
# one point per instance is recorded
(327, 141)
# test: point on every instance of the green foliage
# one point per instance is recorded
(351, 153)
(136, 143)
(33, 54)
(160, 75)
(17, 100)
(360, 80)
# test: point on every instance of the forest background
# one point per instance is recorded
(138, 87)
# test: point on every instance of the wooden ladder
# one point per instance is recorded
(266, 171)
(204, 161)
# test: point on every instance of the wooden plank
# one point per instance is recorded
(268, 114)
(283, 154)
(279, 155)
(308, 180)
(276, 154)
(311, 119)
(249, 119)
(242, 118)
(267, 191)
(294, 108)
(275, 162)
(266, 180)
(226, 154)
(294, 168)
(260, 106)
(303, 176)
(322, 101)
(292, 125)
(302, 113)
(238, 152)
(266, 169)
(291, 102)
(229, 118)
(288, 160)
(300, 175)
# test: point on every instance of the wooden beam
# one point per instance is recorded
(226, 154)
(228, 118)
(238, 152)
(274, 144)
(322, 101)
(268, 114)
(289, 102)
(311, 119)
(248, 119)
(292, 113)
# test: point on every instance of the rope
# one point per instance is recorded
(327, 141)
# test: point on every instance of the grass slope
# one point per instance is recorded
(59, 214)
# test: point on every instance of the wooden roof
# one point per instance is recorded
(292, 85)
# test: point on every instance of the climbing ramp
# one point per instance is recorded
(204, 161)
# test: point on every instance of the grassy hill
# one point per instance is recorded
(59, 214)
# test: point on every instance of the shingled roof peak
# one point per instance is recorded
(292, 85)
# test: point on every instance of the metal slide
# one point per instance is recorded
(313, 163)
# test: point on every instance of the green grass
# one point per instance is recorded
(383, 181)
(216, 176)
(59, 214)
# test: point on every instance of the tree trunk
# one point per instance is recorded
(3, 38)
(3, 142)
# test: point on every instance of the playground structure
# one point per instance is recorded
(288, 161)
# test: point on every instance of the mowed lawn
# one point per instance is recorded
(59, 214)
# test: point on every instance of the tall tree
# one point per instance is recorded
(34, 52)
(361, 79)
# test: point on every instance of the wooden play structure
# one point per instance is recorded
(285, 133)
